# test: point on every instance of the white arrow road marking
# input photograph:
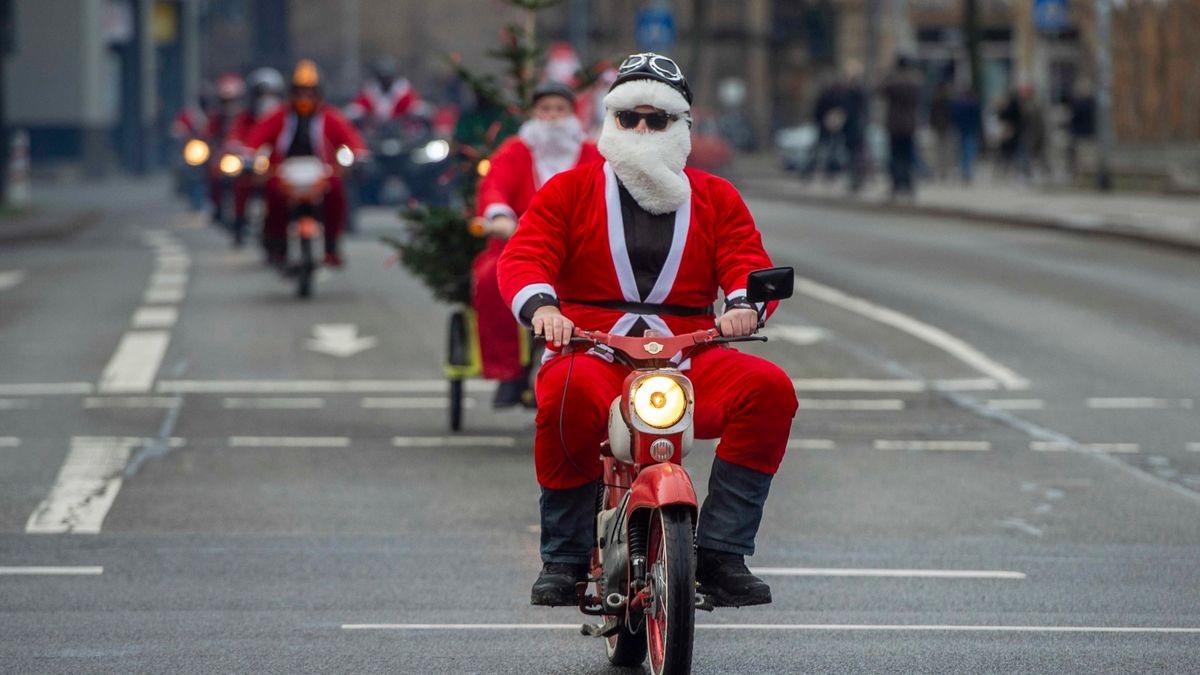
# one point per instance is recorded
(10, 279)
(937, 337)
(51, 571)
(339, 339)
(898, 573)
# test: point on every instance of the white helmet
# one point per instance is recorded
(264, 81)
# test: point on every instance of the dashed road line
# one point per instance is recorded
(811, 444)
(969, 384)
(932, 335)
(454, 441)
(135, 364)
(155, 317)
(47, 389)
(93, 402)
(289, 442)
(1193, 447)
(315, 386)
(1103, 448)
(1016, 404)
(260, 403)
(86, 486)
(10, 442)
(935, 446)
(1139, 403)
(163, 295)
(860, 385)
(168, 279)
(871, 404)
(11, 279)
(410, 403)
(885, 573)
(791, 627)
(52, 571)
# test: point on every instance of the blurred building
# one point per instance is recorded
(93, 81)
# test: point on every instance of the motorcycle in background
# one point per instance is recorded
(304, 182)
(408, 162)
(191, 175)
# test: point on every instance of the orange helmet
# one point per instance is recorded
(306, 74)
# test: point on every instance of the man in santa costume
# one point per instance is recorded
(550, 142)
(384, 98)
(635, 243)
(306, 126)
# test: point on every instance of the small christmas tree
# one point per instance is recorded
(442, 241)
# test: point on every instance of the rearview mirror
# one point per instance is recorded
(775, 283)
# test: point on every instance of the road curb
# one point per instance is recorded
(1082, 226)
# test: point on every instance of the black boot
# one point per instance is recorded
(725, 534)
(568, 536)
(509, 393)
(725, 579)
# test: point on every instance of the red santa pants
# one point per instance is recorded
(746, 401)
(499, 332)
(275, 222)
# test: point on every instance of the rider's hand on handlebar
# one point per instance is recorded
(502, 226)
(549, 322)
(738, 322)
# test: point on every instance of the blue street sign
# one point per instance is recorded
(1051, 16)
(655, 29)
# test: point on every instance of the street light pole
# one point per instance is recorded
(1104, 119)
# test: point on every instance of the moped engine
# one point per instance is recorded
(610, 537)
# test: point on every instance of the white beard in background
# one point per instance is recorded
(555, 145)
(649, 165)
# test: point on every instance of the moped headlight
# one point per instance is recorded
(231, 165)
(345, 156)
(660, 402)
(195, 152)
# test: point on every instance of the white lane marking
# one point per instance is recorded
(1139, 403)
(134, 365)
(47, 389)
(165, 279)
(92, 402)
(937, 337)
(339, 339)
(1016, 404)
(315, 386)
(454, 441)
(172, 263)
(11, 279)
(899, 573)
(410, 403)
(875, 404)
(1193, 447)
(10, 442)
(799, 335)
(13, 404)
(1103, 448)
(948, 628)
(274, 403)
(155, 317)
(86, 487)
(935, 446)
(289, 442)
(811, 444)
(161, 294)
(968, 384)
(860, 385)
(51, 571)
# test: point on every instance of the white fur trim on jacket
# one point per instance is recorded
(631, 94)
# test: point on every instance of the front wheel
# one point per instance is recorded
(671, 613)
(308, 267)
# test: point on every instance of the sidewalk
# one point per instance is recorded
(61, 209)
(1157, 218)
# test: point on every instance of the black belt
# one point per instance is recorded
(646, 308)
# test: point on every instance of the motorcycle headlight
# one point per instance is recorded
(262, 164)
(345, 156)
(195, 152)
(660, 401)
(432, 152)
(231, 165)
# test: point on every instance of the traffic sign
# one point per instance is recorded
(655, 29)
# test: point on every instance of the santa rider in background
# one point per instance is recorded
(266, 91)
(230, 103)
(385, 97)
(549, 142)
(305, 126)
(635, 243)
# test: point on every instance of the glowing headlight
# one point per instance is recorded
(345, 156)
(659, 401)
(262, 164)
(195, 152)
(484, 167)
(231, 165)
(437, 150)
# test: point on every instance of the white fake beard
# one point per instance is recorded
(649, 164)
(555, 145)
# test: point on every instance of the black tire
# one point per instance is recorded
(625, 649)
(304, 279)
(672, 567)
(456, 404)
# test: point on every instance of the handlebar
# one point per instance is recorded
(656, 349)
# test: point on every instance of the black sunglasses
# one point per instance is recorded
(656, 121)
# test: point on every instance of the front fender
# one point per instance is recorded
(660, 485)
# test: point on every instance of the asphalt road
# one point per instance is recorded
(996, 465)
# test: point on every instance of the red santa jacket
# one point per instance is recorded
(383, 106)
(330, 130)
(513, 179)
(571, 244)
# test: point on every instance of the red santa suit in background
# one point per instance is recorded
(306, 126)
(636, 243)
(520, 166)
(385, 98)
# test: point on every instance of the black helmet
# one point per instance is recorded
(553, 88)
(651, 66)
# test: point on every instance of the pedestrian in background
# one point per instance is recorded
(856, 106)
(941, 121)
(901, 92)
(1012, 136)
(1082, 124)
(829, 119)
(968, 124)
